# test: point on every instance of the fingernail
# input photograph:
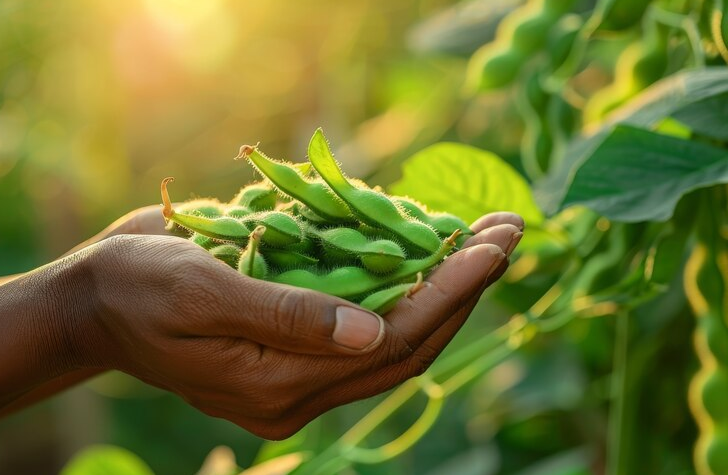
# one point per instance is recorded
(499, 257)
(356, 329)
(515, 239)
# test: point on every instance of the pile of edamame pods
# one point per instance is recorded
(308, 225)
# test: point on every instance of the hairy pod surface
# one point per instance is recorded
(382, 301)
(221, 229)
(256, 197)
(353, 282)
(281, 229)
(370, 206)
(380, 256)
(312, 227)
(251, 261)
(288, 178)
(228, 253)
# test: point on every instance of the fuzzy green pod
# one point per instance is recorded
(203, 241)
(281, 229)
(221, 229)
(493, 66)
(640, 65)
(256, 197)
(288, 259)
(252, 263)
(310, 215)
(237, 211)
(371, 207)
(380, 256)
(527, 27)
(202, 207)
(353, 282)
(624, 14)
(382, 301)
(288, 178)
(228, 253)
(706, 289)
(444, 223)
(562, 39)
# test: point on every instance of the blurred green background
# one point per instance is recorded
(100, 100)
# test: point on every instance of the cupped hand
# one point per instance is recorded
(266, 356)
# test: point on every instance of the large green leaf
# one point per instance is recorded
(637, 175)
(467, 182)
(676, 95)
(106, 460)
(708, 117)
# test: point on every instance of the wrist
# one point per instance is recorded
(43, 320)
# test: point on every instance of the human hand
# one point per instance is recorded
(145, 220)
(265, 356)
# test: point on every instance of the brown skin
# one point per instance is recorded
(261, 355)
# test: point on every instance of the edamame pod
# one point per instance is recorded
(288, 259)
(287, 177)
(281, 229)
(228, 253)
(205, 207)
(221, 229)
(251, 261)
(369, 206)
(382, 301)
(706, 289)
(237, 211)
(203, 241)
(380, 256)
(352, 282)
(256, 197)
(444, 223)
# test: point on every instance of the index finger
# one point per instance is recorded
(456, 281)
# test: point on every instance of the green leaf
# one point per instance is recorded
(106, 460)
(460, 29)
(668, 97)
(467, 182)
(707, 117)
(637, 175)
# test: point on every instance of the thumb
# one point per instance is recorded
(298, 320)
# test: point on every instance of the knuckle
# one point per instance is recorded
(397, 350)
(292, 313)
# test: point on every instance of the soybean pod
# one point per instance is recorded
(203, 241)
(370, 206)
(380, 256)
(444, 223)
(256, 197)
(251, 261)
(382, 301)
(221, 229)
(706, 288)
(281, 228)
(353, 282)
(228, 253)
(288, 258)
(288, 178)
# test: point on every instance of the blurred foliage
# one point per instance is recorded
(611, 114)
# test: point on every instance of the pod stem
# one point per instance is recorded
(451, 239)
(246, 150)
(416, 286)
(253, 246)
(167, 211)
